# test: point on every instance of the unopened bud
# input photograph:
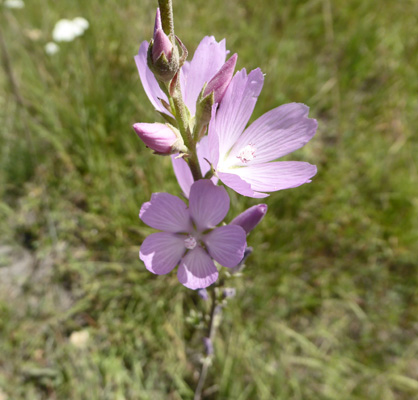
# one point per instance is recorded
(214, 91)
(163, 139)
(250, 218)
(163, 56)
(220, 82)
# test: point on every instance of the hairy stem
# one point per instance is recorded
(166, 10)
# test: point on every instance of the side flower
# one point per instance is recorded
(189, 237)
(244, 158)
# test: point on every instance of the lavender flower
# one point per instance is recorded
(188, 237)
(243, 157)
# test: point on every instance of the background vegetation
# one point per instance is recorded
(327, 307)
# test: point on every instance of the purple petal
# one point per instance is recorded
(279, 175)
(166, 213)
(236, 108)
(197, 270)
(250, 218)
(208, 204)
(183, 174)
(226, 244)
(207, 60)
(203, 155)
(275, 134)
(239, 185)
(182, 170)
(161, 252)
(149, 83)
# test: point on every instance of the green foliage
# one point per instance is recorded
(327, 306)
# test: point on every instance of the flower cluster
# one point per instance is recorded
(207, 108)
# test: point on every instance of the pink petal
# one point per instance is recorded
(239, 185)
(208, 204)
(161, 252)
(279, 175)
(166, 213)
(149, 83)
(207, 60)
(183, 174)
(203, 155)
(182, 169)
(226, 244)
(197, 270)
(275, 134)
(236, 108)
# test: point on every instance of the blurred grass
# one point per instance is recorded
(327, 308)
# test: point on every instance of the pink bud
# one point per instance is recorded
(158, 24)
(219, 83)
(161, 45)
(250, 218)
(158, 137)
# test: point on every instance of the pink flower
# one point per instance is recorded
(243, 158)
(189, 237)
(208, 59)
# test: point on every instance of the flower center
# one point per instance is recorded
(190, 242)
(247, 153)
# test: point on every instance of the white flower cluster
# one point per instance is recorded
(66, 30)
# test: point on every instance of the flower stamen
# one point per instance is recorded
(247, 153)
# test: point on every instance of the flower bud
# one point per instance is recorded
(163, 139)
(250, 218)
(163, 57)
(220, 82)
(214, 91)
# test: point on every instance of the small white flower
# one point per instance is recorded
(14, 4)
(66, 30)
(51, 48)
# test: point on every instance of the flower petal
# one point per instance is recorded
(226, 244)
(166, 213)
(149, 83)
(197, 270)
(236, 108)
(183, 174)
(207, 60)
(279, 175)
(239, 185)
(182, 170)
(162, 251)
(275, 134)
(208, 204)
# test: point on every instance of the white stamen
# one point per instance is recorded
(247, 153)
(190, 242)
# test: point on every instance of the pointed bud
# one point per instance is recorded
(158, 24)
(163, 139)
(220, 82)
(250, 218)
(162, 45)
(163, 56)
